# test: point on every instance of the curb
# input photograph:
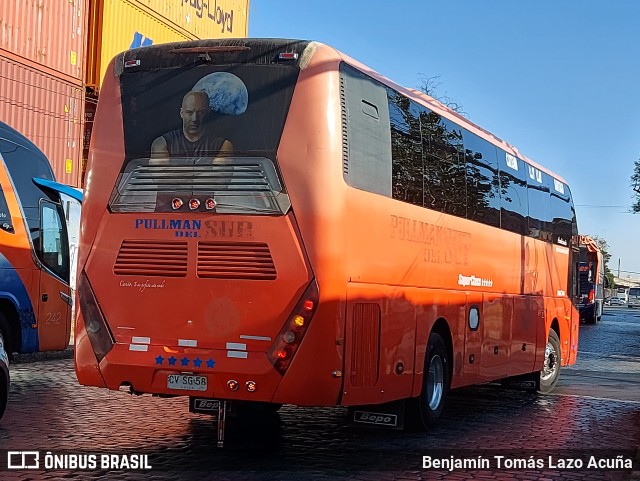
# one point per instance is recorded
(43, 356)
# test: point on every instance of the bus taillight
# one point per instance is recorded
(95, 324)
(592, 295)
(293, 331)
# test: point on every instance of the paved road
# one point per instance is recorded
(595, 411)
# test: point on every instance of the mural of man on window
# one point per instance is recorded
(220, 93)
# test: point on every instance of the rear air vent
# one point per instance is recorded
(231, 260)
(151, 258)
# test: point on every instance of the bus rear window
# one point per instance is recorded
(204, 135)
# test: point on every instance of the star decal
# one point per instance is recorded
(184, 361)
(211, 363)
(159, 360)
(197, 361)
(172, 361)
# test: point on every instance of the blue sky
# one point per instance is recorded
(559, 80)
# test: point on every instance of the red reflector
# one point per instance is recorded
(308, 305)
(176, 203)
(288, 56)
(194, 204)
(282, 354)
(210, 203)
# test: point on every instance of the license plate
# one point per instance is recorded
(187, 382)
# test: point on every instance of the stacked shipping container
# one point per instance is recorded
(42, 77)
(54, 53)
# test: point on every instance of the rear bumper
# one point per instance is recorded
(146, 368)
(586, 310)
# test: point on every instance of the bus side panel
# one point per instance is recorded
(311, 142)
(495, 325)
(15, 293)
(107, 144)
(528, 332)
(379, 343)
(18, 273)
(53, 312)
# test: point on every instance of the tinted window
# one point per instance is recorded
(539, 219)
(513, 193)
(562, 213)
(406, 148)
(444, 168)
(367, 160)
(483, 182)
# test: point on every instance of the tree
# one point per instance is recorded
(635, 185)
(430, 85)
(606, 256)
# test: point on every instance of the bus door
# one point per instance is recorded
(54, 302)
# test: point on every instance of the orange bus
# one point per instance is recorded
(592, 281)
(35, 294)
(270, 221)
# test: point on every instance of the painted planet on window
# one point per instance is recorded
(227, 93)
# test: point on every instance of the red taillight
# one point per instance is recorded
(288, 56)
(291, 334)
(592, 295)
(94, 321)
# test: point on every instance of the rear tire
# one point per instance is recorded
(551, 369)
(7, 335)
(424, 411)
(4, 382)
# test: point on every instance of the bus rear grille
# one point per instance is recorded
(231, 260)
(151, 258)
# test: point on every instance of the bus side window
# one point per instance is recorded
(53, 246)
(483, 182)
(513, 193)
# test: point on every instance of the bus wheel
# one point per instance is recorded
(6, 335)
(424, 411)
(551, 369)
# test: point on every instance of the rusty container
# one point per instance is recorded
(49, 33)
(46, 109)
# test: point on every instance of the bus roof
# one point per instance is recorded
(10, 134)
(264, 52)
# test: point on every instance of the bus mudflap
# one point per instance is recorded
(388, 415)
(217, 408)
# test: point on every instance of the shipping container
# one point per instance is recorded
(205, 19)
(46, 109)
(51, 33)
(118, 25)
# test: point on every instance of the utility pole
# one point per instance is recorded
(618, 268)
